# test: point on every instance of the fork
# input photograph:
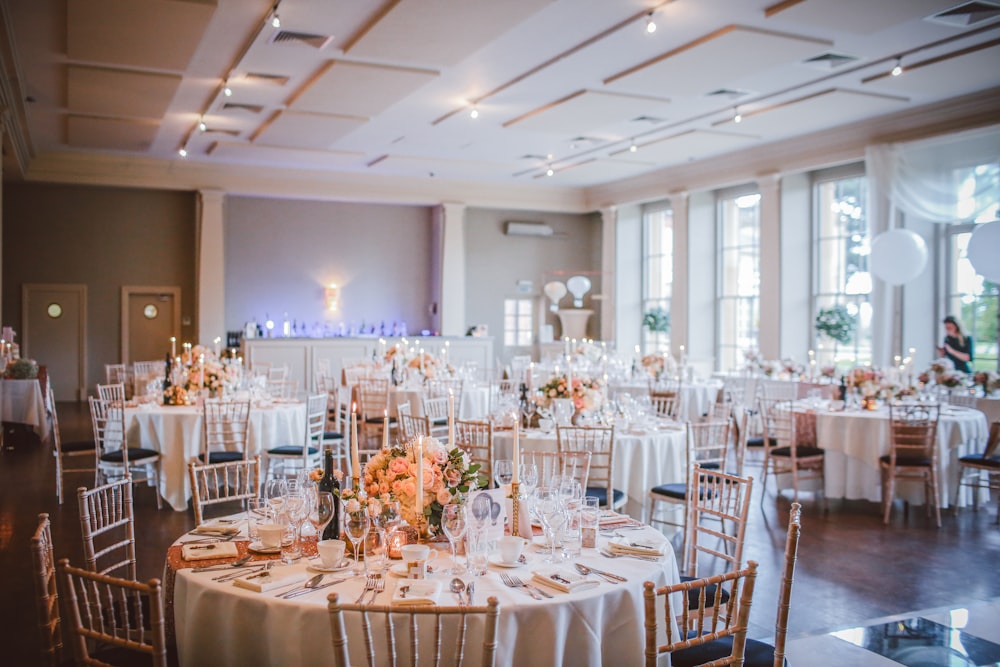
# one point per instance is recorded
(517, 580)
(377, 588)
(369, 586)
(509, 581)
(609, 554)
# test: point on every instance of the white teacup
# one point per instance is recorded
(510, 547)
(331, 552)
(546, 425)
(270, 535)
(411, 553)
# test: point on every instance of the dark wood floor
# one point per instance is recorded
(851, 568)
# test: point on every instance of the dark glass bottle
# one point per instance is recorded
(525, 407)
(166, 372)
(330, 483)
(843, 389)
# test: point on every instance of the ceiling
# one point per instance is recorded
(568, 92)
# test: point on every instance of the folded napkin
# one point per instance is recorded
(562, 579)
(614, 518)
(270, 579)
(638, 545)
(417, 592)
(209, 551)
(216, 529)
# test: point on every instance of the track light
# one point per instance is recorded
(549, 171)
(202, 126)
(650, 24)
(632, 147)
(737, 116)
(474, 113)
(898, 69)
(182, 152)
(275, 21)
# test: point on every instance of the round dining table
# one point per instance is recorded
(696, 397)
(23, 402)
(220, 623)
(177, 432)
(643, 457)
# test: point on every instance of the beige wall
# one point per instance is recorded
(101, 237)
(282, 253)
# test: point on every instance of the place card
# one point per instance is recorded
(488, 510)
(270, 579)
(562, 579)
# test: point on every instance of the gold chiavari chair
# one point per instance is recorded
(115, 459)
(227, 428)
(292, 458)
(66, 453)
(600, 442)
(974, 466)
(228, 482)
(786, 452)
(476, 438)
(436, 411)
(107, 527)
(410, 426)
(46, 591)
(912, 454)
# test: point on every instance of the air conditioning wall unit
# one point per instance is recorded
(518, 228)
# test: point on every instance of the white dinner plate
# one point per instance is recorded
(259, 548)
(495, 560)
(319, 567)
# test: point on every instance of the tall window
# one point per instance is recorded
(970, 297)
(517, 322)
(841, 250)
(739, 279)
(658, 271)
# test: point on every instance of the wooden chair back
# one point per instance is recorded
(710, 620)
(599, 441)
(666, 402)
(476, 438)
(46, 591)
(113, 611)
(226, 425)
(66, 453)
(787, 579)
(721, 499)
(392, 631)
(410, 426)
(708, 442)
(567, 464)
(227, 482)
(111, 392)
(913, 432)
(107, 527)
(108, 422)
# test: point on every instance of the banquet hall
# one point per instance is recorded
(720, 199)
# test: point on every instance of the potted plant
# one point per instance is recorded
(657, 320)
(836, 323)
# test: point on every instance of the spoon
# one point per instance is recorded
(458, 587)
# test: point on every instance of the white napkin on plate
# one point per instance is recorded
(209, 551)
(562, 579)
(270, 579)
(639, 545)
(216, 529)
(419, 592)
(609, 518)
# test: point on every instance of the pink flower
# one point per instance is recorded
(407, 487)
(339, 475)
(399, 466)
(453, 477)
(444, 496)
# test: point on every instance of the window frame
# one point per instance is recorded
(651, 342)
(524, 309)
(721, 197)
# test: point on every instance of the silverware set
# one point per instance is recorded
(515, 582)
(310, 586)
(375, 584)
(609, 554)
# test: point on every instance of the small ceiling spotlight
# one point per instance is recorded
(474, 113)
(737, 116)
(226, 90)
(632, 147)
(202, 127)
(898, 69)
(549, 171)
(275, 21)
(650, 24)
(182, 152)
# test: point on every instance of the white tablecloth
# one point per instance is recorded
(21, 401)
(854, 441)
(696, 397)
(990, 407)
(642, 460)
(475, 402)
(220, 624)
(177, 433)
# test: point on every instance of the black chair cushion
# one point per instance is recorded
(332, 435)
(709, 465)
(290, 450)
(695, 593)
(443, 421)
(378, 420)
(759, 442)
(975, 459)
(801, 451)
(756, 654)
(678, 490)
(910, 461)
(77, 446)
(602, 495)
(221, 457)
(135, 454)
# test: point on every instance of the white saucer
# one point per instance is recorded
(495, 560)
(259, 548)
(399, 569)
(319, 567)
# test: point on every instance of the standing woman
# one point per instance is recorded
(957, 346)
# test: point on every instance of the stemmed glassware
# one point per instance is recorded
(321, 512)
(454, 524)
(503, 471)
(528, 478)
(274, 492)
(356, 527)
(296, 506)
(548, 507)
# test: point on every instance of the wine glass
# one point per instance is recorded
(454, 524)
(321, 512)
(503, 471)
(529, 477)
(274, 491)
(550, 512)
(356, 527)
(296, 507)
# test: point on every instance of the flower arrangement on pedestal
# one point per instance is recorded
(988, 380)
(447, 472)
(176, 395)
(586, 393)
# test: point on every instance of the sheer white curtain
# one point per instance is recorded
(919, 179)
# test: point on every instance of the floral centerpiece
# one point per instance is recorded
(656, 320)
(448, 472)
(792, 368)
(586, 393)
(176, 395)
(201, 369)
(654, 364)
(836, 323)
(951, 379)
(988, 380)
(828, 371)
(21, 369)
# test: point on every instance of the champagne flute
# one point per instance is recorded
(321, 512)
(356, 526)
(454, 524)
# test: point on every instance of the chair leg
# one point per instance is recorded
(934, 497)
(763, 486)
(888, 492)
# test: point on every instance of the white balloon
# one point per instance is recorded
(578, 286)
(898, 256)
(983, 251)
(555, 290)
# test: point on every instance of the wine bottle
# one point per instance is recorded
(329, 483)
(843, 389)
(166, 372)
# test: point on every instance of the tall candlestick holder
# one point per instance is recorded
(515, 494)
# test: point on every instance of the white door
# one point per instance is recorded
(54, 318)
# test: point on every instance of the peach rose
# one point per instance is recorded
(453, 477)
(444, 496)
(399, 466)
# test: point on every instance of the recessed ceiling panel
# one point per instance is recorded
(951, 76)
(119, 92)
(110, 133)
(158, 34)
(588, 111)
(286, 157)
(440, 32)
(436, 167)
(715, 61)
(307, 130)
(357, 89)
(829, 108)
(843, 15)
(597, 171)
(691, 144)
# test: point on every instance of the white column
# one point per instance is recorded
(679, 331)
(628, 279)
(609, 230)
(770, 265)
(211, 278)
(449, 218)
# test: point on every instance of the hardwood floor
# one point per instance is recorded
(851, 568)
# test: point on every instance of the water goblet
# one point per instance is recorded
(549, 508)
(454, 524)
(528, 477)
(503, 471)
(356, 527)
(321, 512)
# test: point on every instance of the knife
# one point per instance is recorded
(316, 588)
(471, 591)
(643, 546)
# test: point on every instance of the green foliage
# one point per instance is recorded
(21, 369)
(657, 320)
(836, 323)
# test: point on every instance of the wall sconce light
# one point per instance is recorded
(333, 298)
